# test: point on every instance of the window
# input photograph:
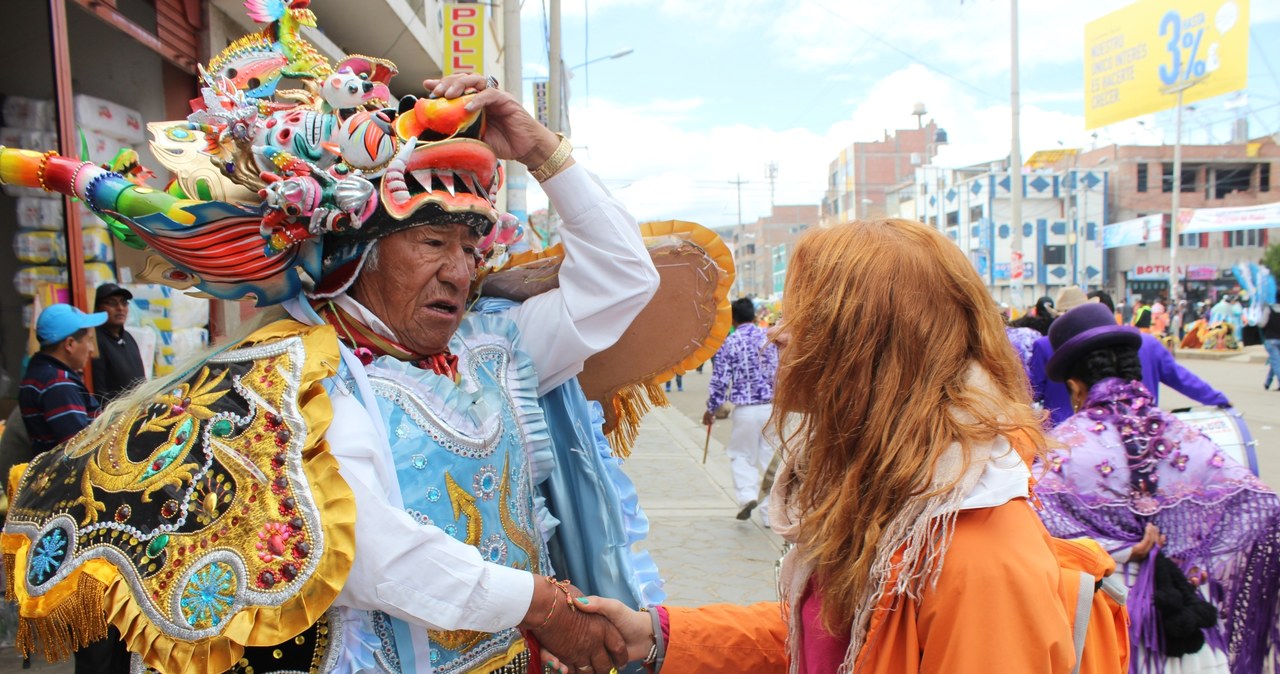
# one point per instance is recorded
(1264, 177)
(1227, 179)
(975, 214)
(1184, 241)
(1188, 178)
(953, 218)
(1246, 238)
(1054, 255)
(1142, 177)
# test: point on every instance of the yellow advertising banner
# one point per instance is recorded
(1136, 58)
(463, 38)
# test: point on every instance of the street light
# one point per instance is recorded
(616, 55)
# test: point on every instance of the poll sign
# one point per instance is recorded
(1134, 56)
(463, 38)
(1148, 229)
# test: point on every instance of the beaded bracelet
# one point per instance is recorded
(563, 586)
(40, 169)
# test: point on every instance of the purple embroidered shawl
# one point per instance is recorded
(1127, 463)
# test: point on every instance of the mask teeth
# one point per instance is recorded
(446, 179)
(481, 191)
(468, 181)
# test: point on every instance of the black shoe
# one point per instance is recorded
(745, 513)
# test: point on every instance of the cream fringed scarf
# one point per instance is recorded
(922, 531)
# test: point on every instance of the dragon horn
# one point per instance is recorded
(102, 190)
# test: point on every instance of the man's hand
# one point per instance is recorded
(636, 628)
(708, 418)
(587, 643)
(509, 129)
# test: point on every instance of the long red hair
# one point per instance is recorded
(885, 321)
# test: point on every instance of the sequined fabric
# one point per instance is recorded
(1127, 463)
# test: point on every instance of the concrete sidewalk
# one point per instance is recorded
(704, 554)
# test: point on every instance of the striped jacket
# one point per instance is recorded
(55, 402)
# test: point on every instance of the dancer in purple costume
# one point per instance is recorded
(1126, 467)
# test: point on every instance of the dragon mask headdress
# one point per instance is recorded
(283, 191)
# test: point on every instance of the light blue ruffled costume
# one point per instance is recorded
(566, 490)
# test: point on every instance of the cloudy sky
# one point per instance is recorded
(719, 88)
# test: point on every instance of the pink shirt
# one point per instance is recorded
(820, 651)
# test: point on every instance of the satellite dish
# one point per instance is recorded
(919, 110)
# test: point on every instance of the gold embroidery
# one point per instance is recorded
(518, 537)
(465, 504)
(179, 411)
(458, 640)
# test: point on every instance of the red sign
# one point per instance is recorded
(1015, 266)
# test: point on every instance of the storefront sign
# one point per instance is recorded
(1153, 272)
(541, 109)
(1133, 232)
(1196, 220)
(1135, 56)
(463, 38)
(1201, 272)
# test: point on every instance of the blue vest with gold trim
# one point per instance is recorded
(467, 456)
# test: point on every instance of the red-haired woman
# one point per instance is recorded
(907, 429)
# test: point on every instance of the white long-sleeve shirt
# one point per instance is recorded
(419, 573)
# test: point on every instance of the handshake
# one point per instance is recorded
(582, 635)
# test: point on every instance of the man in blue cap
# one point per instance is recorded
(54, 400)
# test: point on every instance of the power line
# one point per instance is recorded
(906, 53)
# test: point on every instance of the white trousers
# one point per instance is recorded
(750, 450)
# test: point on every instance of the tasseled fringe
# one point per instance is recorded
(629, 406)
(76, 623)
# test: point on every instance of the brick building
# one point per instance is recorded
(762, 249)
(1213, 176)
(861, 176)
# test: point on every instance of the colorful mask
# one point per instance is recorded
(281, 192)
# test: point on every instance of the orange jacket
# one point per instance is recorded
(998, 606)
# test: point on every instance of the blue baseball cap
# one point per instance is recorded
(60, 321)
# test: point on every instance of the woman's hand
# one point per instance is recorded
(636, 628)
(1150, 537)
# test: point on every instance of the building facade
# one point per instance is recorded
(762, 249)
(1213, 176)
(861, 177)
(1062, 215)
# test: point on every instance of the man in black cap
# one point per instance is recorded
(118, 366)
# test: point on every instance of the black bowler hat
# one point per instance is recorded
(1086, 328)
(107, 290)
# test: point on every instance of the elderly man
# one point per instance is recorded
(354, 485)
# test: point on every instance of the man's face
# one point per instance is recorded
(79, 351)
(117, 308)
(420, 284)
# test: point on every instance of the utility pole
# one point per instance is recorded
(771, 174)
(1015, 165)
(517, 174)
(555, 85)
(1177, 197)
(741, 234)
